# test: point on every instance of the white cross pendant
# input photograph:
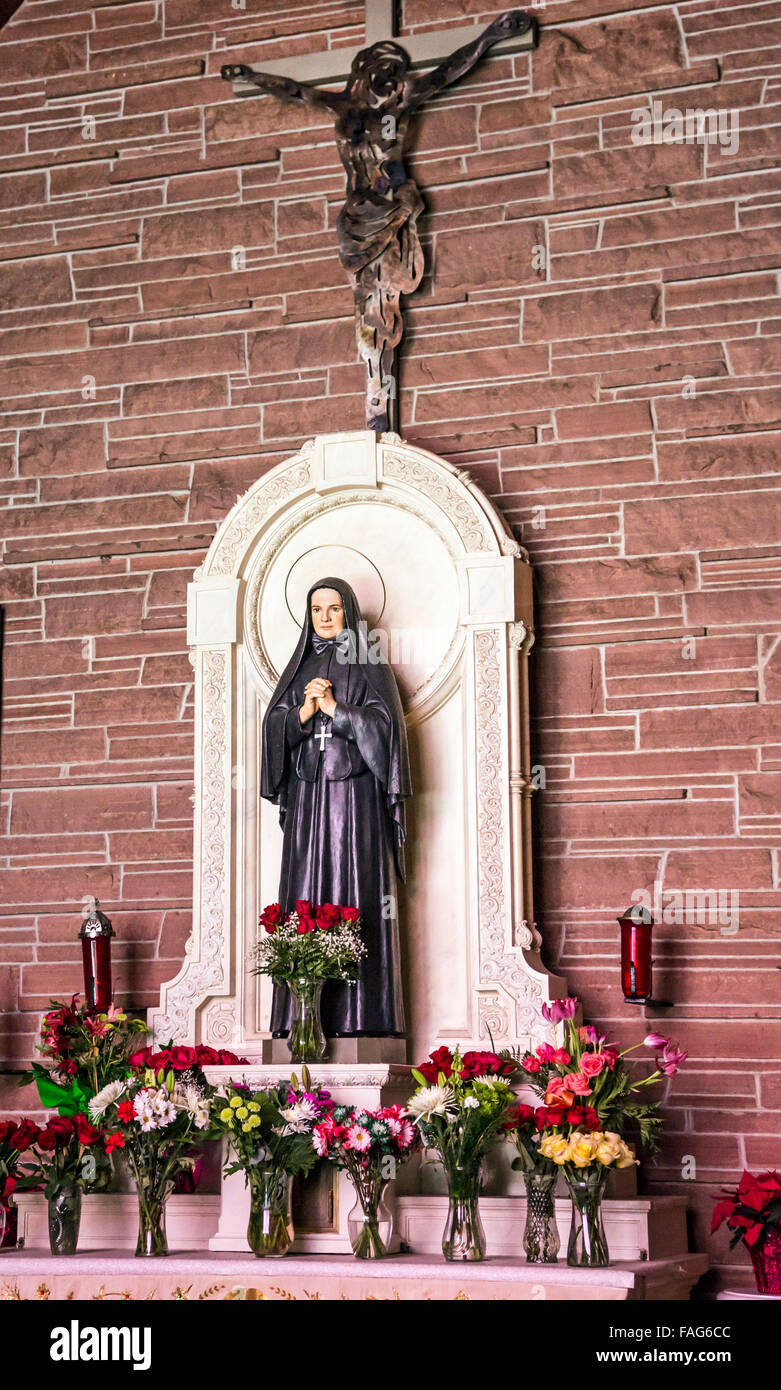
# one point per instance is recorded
(323, 734)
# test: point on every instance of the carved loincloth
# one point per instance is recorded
(371, 225)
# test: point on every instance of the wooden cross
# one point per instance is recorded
(333, 64)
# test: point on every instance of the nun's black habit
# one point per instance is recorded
(342, 811)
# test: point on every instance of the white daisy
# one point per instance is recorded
(432, 1100)
(300, 1117)
(110, 1093)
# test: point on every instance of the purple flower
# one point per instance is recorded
(671, 1059)
(655, 1040)
(559, 1009)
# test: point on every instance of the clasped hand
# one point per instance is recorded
(318, 696)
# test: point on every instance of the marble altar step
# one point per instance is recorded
(638, 1229)
(29, 1274)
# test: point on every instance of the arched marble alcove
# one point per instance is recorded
(438, 573)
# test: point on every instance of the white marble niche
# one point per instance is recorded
(435, 568)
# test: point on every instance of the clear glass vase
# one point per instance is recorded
(9, 1216)
(463, 1237)
(370, 1222)
(587, 1246)
(270, 1230)
(64, 1221)
(541, 1236)
(152, 1238)
(766, 1259)
(306, 1040)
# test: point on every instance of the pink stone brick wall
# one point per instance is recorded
(597, 340)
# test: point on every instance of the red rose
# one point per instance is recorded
(517, 1116)
(351, 914)
(126, 1112)
(306, 924)
(328, 916)
(272, 917)
(57, 1134)
(547, 1118)
(561, 1057)
(140, 1058)
(87, 1133)
(304, 907)
(26, 1134)
(229, 1059)
(114, 1141)
(531, 1064)
(207, 1056)
(183, 1058)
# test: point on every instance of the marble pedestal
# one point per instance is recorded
(365, 1083)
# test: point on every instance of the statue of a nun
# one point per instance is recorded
(335, 762)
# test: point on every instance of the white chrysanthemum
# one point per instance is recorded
(432, 1100)
(110, 1093)
(300, 1117)
(189, 1098)
(471, 1103)
(489, 1081)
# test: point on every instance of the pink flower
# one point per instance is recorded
(545, 1052)
(320, 1139)
(576, 1082)
(559, 1009)
(592, 1063)
(561, 1057)
(358, 1139)
(671, 1059)
(406, 1134)
(531, 1064)
(589, 1034)
(655, 1040)
(611, 1057)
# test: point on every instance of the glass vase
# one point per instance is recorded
(270, 1230)
(152, 1239)
(587, 1246)
(9, 1218)
(306, 1040)
(766, 1259)
(370, 1222)
(463, 1237)
(541, 1236)
(64, 1221)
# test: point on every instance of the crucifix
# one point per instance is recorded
(323, 733)
(379, 245)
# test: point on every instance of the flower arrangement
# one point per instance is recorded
(68, 1157)
(269, 1138)
(313, 942)
(16, 1138)
(752, 1211)
(370, 1145)
(459, 1108)
(585, 1068)
(156, 1119)
(181, 1059)
(302, 950)
(83, 1051)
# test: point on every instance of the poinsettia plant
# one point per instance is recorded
(751, 1208)
(83, 1051)
(314, 942)
(582, 1068)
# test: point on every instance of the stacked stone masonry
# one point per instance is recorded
(597, 340)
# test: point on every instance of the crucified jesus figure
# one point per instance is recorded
(379, 245)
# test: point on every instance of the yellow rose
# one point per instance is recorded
(608, 1151)
(580, 1150)
(554, 1146)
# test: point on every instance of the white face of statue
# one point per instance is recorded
(327, 612)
